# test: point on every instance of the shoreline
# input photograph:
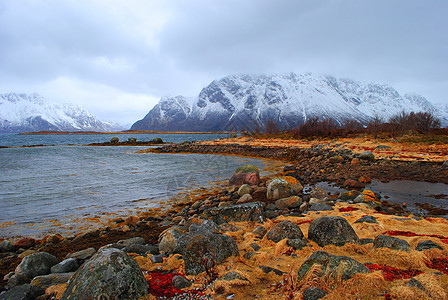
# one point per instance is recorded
(120, 132)
(152, 225)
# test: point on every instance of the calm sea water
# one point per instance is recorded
(60, 189)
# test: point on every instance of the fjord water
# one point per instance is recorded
(56, 189)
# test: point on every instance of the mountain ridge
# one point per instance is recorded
(21, 112)
(246, 101)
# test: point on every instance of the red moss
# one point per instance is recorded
(401, 233)
(161, 285)
(391, 273)
(345, 209)
(440, 264)
(304, 222)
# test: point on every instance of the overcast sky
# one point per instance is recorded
(117, 58)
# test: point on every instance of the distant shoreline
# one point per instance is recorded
(122, 132)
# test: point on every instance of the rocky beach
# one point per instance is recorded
(259, 238)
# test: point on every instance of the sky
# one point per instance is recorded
(116, 58)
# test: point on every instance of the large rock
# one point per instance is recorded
(332, 231)
(22, 292)
(384, 241)
(109, 274)
(169, 237)
(283, 187)
(246, 174)
(252, 211)
(6, 246)
(34, 265)
(25, 243)
(285, 230)
(333, 267)
(203, 248)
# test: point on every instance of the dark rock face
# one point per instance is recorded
(110, 273)
(22, 292)
(383, 241)
(203, 248)
(333, 266)
(285, 230)
(332, 231)
(252, 211)
(313, 293)
(34, 265)
(425, 245)
(247, 174)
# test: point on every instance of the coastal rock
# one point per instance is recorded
(283, 187)
(232, 276)
(297, 244)
(313, 293)
(22, 292)
(45, 281)
(34, 265)
(354, 161)
(350, 183)
(132, 241)
(83, 254)
(367, 155)
(244, 189)
(268, 270)
(332, 231)
(244, 199)
(285, 230)
(111, 274)
(66, 266)
(25, 243)
(245, 174)
(180, 282)
(415, 283)
(169, 237)
(203, 248)
(332, 266)
(367, 219)
(383, 241)
(349, 196)
(318, 193)
(6, 246)
(290, 202)
(252, 211)
(425, 245)
(140, 249)
(260, 232)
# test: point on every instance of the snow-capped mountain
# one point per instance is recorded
(244, 101)
(30, 112)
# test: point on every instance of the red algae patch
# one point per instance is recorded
(440, 264)
(391, 273)
(161, 285)
(347, 209)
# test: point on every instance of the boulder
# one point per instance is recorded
(6, 246)
(332, 231)
(169, 237)
(34, 265)
(66, 266)
(384, 241)
(45, 281)
(290, 202)
(313, 293)
(22, 292)
(247, 174)
(83, 254)
(109, 274)
(285, 230)
(425, 245)
(332, 266)
(283, 187)
(367, 155)
(180, 282)
(203, 248)
(244, 199)
(25, 243)
(252, 211)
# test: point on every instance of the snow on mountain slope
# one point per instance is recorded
(245, 101)
(30, 112)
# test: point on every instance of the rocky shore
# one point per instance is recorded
(255, 238)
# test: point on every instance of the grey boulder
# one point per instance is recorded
(332, 231)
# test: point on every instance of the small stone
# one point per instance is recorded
(132, 241)
(332, 231)
(283, 187)
(244, 189)
(365, 241)
(425, 245)
(255, 246)
(233, 276)
(22, 292)
(283, 230)
(157, 259)
(290, 202)
(320, 207)
(54, 238)
(383, 241)
(313, 293)
(83, 254)
(260, 231)
(297, 244)
(25, 243)
(6, 246)
(180, 282)
(249, 255)
(246, 174)
(350, 183)
(45, 281)
(244, 199)
(367, 155)
(268, 270)
(131, 220)
(415, 283)
(355, 162)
